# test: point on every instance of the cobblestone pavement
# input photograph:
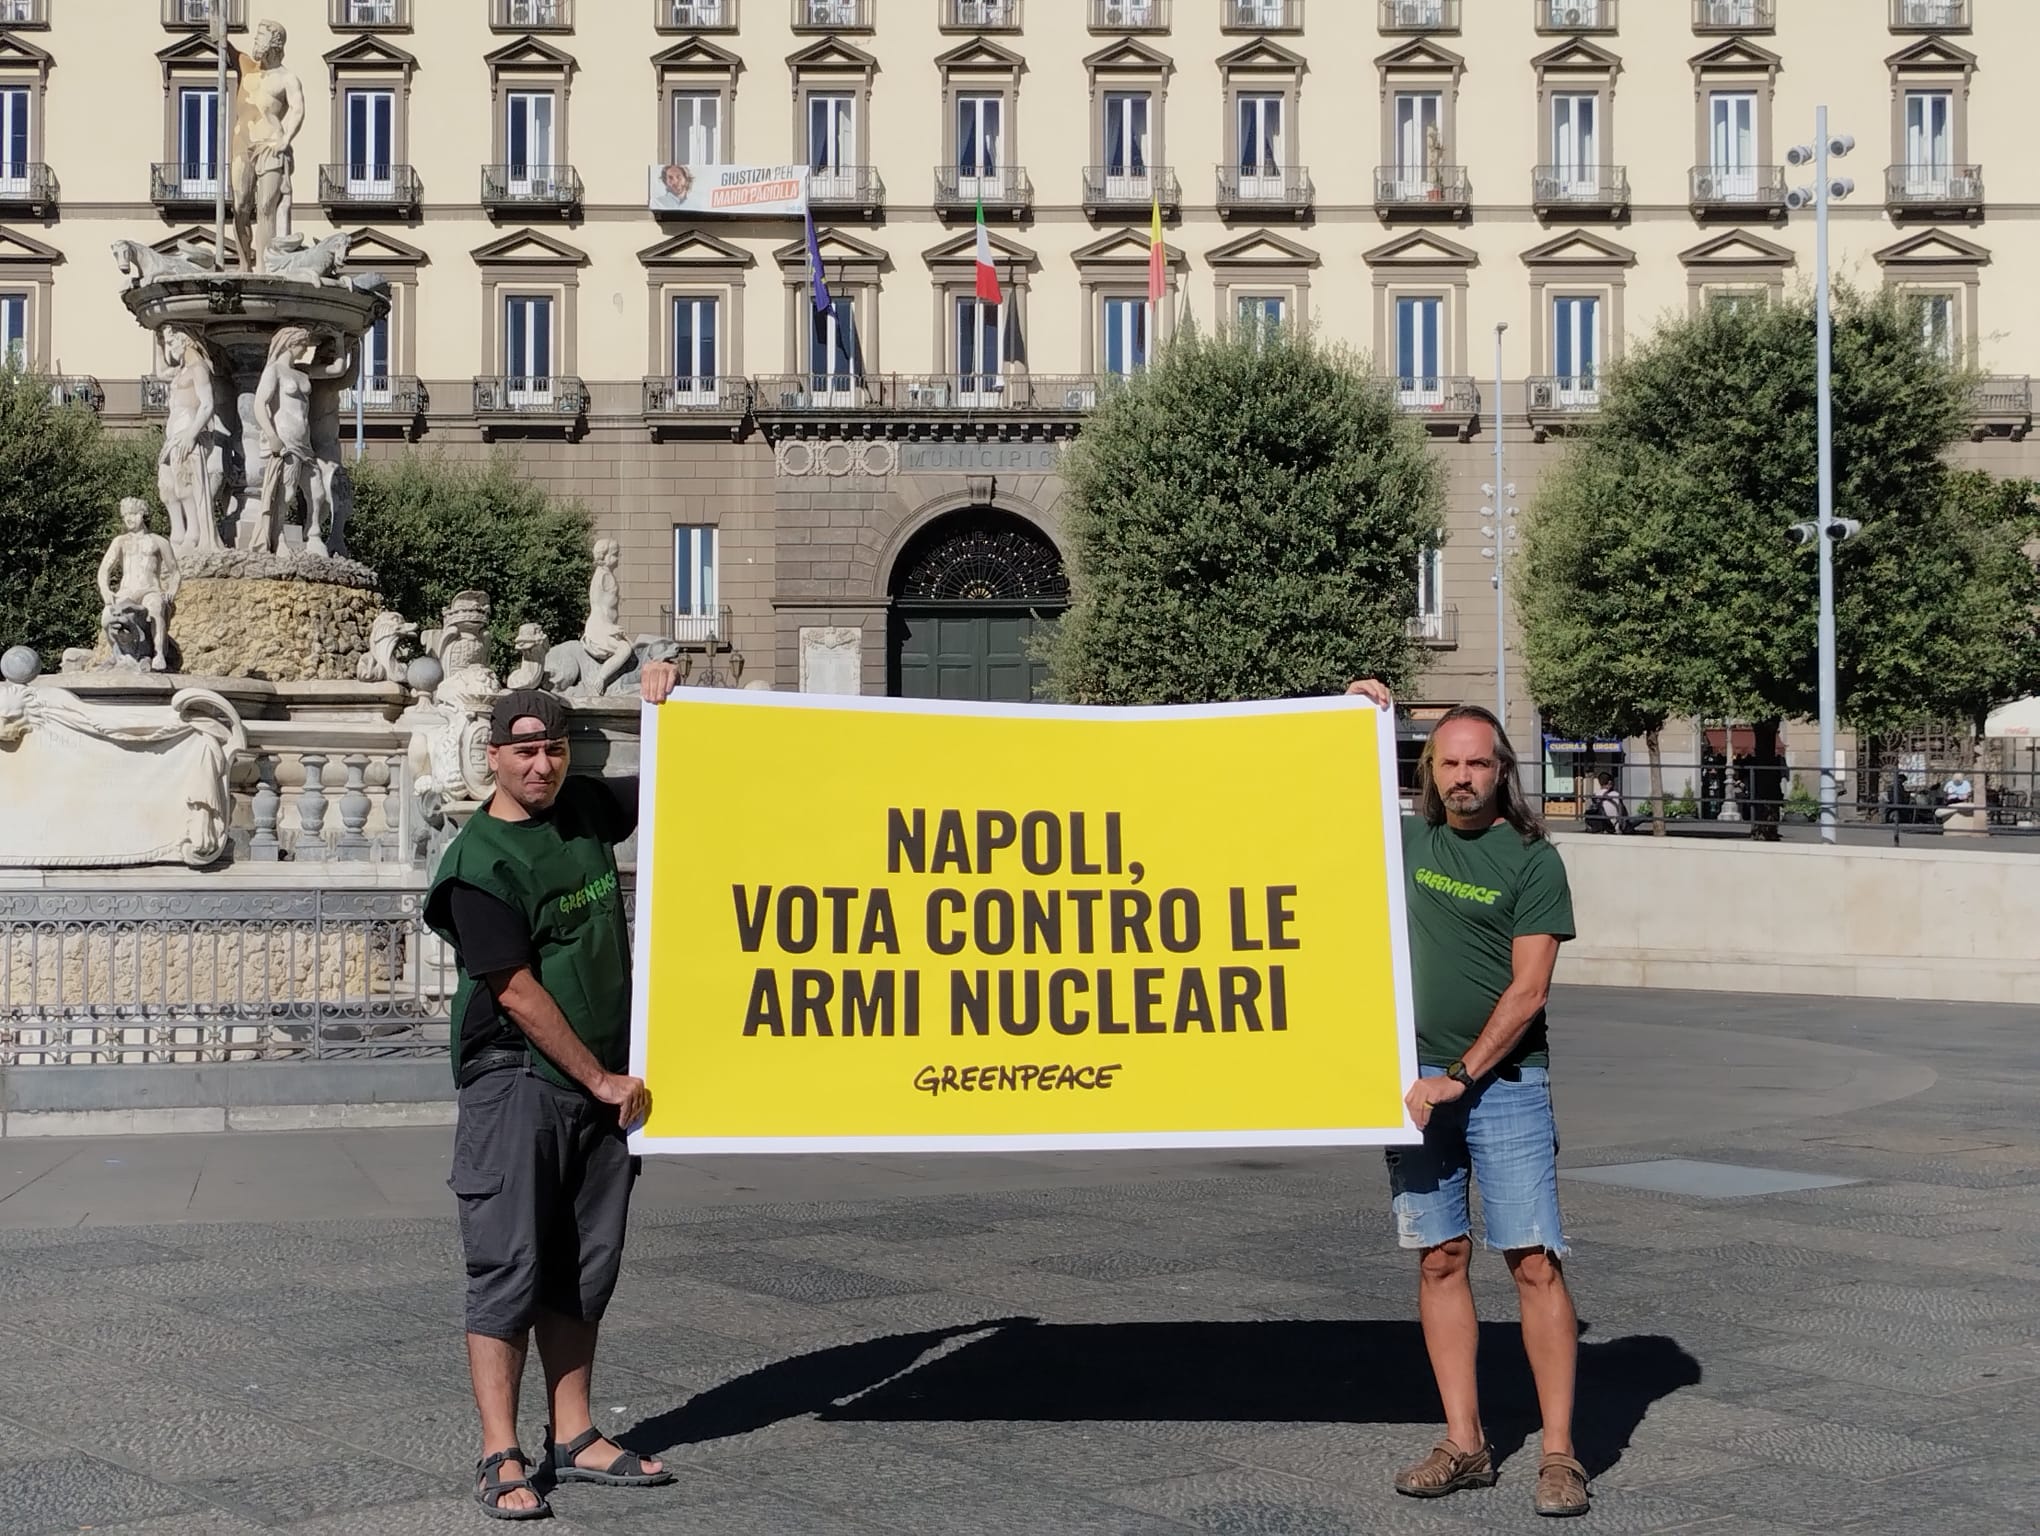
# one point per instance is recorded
(1126, 1345)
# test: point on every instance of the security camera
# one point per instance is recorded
(1841, 144)
(1841, 187)
(1799, 154)
(1798, 198)
(1840, 528)
(1803, 533)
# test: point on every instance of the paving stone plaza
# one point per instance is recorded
(1817, 1308)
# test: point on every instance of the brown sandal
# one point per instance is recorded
(1561, 1487)
(1447, 1470)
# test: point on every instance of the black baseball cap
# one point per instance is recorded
(527, 704)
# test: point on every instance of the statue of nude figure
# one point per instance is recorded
(149, 577)
(292, 480)
(269, 109)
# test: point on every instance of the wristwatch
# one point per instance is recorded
(1458, 1073)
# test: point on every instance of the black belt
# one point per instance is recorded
(488, 1061)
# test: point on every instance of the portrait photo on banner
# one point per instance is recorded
(911, 925)
(751, 191)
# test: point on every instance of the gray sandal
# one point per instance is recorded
(489, 1490)
(627, 1471)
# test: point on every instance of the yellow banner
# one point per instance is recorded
(884, 924)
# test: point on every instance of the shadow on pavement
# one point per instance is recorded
(1361, 1372)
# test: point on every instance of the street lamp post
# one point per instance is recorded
(1828, 530)
(1499, 532)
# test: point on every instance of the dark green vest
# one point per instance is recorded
(560, 873)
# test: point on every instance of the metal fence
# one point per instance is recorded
(90, 977)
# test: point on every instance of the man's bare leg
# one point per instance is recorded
(566, 1348)
(496, 1366)
(1551, 1338)
(1452, 1337)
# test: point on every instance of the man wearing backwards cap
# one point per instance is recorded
(528, 896)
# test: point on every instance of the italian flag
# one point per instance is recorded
(987, 274)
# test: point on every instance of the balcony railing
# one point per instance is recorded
(832, 15)
(396, 396)
(779, 394)
(981, 15)
(1931, 189)
(1439, 627)
(1261, 15)
(1735, 15)
(531, 15)
(1574, 16)
(78, 389)
(561, 395)
(2001, 403)
(369, 186)
(197, 15)
(1931, 15)
(694, 15)
(1129, 15)
(847, 186)
(1578, 189)
(177, 184)
(1412, 191)
(1557, 398)
(699, 629)
(1452, 398)
(1004, 190)
(1738, 190)
(1114, 189)
(369, 15)
(1283, 189)
(24, 14)
(680, 396)
(530, 186)
(1420, 15)
(29, 184)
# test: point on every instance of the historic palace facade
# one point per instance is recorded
(868, 496)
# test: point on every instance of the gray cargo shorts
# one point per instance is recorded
(543, 1177)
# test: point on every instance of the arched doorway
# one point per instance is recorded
(969, 595)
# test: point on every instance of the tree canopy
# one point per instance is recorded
(1659, 578)
(430, 527)
(62, 477)
(1246, 519)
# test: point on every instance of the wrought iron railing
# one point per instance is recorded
(197, 15)
(1286, 188)
(183, 183)
(27, 184)
(1420, 15)
(1438, 394)
(1108, 186)
(1415, 189)
(1933, 186)
(1737, 187)
(805, 393)
(219, 974)
(1931, 16)
(1579, 187)
(708, 628)
(1439, 627)
(1129, 15)
(387, 396)
(832, 15)
(369, 186)
(981, 15)
(368, 15)
(1003, 189)
(530, 186)
(1564, 394)
(1261, 15)
(694, 15)
(1574, 15)
(531, 15)
(1735, 15)
(78, 389)
(696, 395)
(846, 186)
(530, 395)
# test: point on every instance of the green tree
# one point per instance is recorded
(62, 476)
(1660, 580)
(430, 527)
(1246, 519)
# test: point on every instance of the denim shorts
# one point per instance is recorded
(1501, 1132)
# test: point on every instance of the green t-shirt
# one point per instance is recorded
(1471, 894)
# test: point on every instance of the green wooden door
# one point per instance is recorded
(955, 653)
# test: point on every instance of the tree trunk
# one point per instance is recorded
(1655, 748)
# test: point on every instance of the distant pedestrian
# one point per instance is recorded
(1607, 810)
(529, 898)
(1958, 790)
(1488, 907)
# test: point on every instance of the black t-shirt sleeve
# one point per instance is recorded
(489, 933)
(616, 808)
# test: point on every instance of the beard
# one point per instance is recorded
(1464, 800)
